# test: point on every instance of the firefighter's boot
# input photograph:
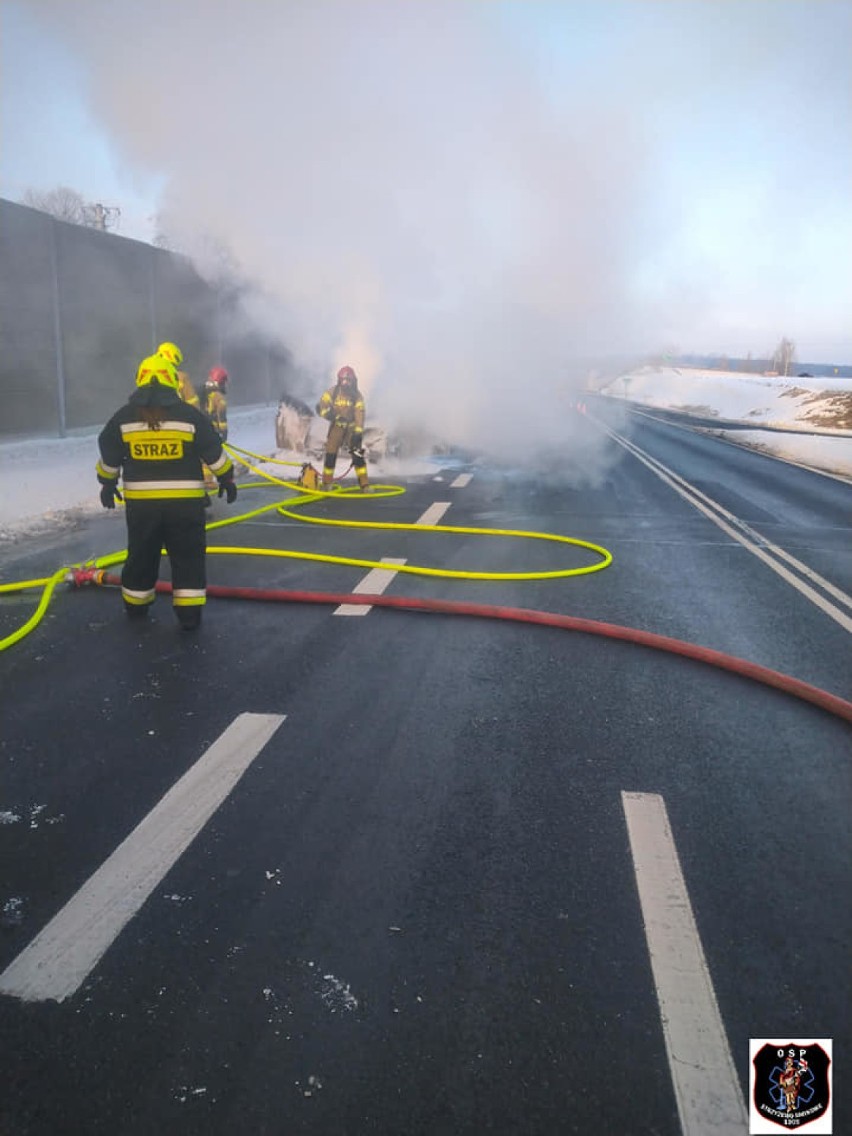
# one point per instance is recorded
(189, 618)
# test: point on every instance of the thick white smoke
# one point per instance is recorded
(400, 178)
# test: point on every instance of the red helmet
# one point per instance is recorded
(217, 377)
(346, 373)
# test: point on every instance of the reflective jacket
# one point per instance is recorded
(187, 391)
(216, 408)
(342, 408)
(162, 463)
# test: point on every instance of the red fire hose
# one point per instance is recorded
(822, 698)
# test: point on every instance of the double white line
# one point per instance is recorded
(744, 534)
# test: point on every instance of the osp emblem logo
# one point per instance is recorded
(790, 1085)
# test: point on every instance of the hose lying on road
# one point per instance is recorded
(95, 572)
(310, 497)
(789, 685)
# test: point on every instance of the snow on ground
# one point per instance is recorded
(50, 482)
(827, 453)
(823, 404)
(804, 420)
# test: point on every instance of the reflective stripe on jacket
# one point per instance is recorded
(216, 406)
(339, 406)
(165, 462)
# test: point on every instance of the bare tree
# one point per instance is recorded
(783, 355)
(67, 204)
(62, 203)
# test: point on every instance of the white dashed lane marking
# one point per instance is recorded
(379, 579)
(373, 584)
(434, 513)
(709, 1098)
(59, 959)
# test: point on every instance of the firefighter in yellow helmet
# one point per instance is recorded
(157, 443)
(343, 405)
(186, 390)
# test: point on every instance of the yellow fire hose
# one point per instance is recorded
(305, 497)
(95, 571)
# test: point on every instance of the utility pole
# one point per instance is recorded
(58, 340)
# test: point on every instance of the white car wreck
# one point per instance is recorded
(299, 430)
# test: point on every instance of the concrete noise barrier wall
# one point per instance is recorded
(80, 307)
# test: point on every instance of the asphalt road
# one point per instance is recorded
(418, 889)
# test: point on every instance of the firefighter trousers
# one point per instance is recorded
(177, 526)
(338, 436)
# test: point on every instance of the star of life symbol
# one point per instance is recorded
(790, 1085)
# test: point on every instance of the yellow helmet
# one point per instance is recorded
(172, 352)
(156, 368)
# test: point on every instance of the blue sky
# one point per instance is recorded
(51, 136)
(517, 177)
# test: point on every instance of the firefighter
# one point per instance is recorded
(215, 406)
(186, 390)
(216, 400)
(158, 443)
(343, 406)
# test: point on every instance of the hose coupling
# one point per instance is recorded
(82, 576)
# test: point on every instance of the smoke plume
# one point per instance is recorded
(411, 186)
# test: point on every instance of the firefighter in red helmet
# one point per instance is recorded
(343, 406)
(216, 400)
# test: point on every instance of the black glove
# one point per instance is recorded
(226, 486)
(356, 441)
(109, 492)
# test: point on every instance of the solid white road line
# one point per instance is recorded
(745, 535)
(374, 583)
(728, 436)
(58, 960)
(709, 1098)
(461, 481)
